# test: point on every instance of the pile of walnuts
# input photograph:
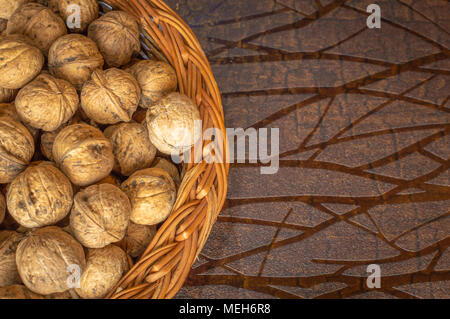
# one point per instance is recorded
(85, 179)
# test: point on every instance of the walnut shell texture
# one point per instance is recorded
(43, 258)
(100, 215)
(18, 292)
(104, 268)
(37, 22)
(39, 196)
(83, 153)
(137, 238)
(156, 79)
(171, 124)
(169, 167)
(88, 13)
(9, 240)
(74, 57)
(117, 36)
(20, 62)
(47, 102)
(152, 194)
(110, 96)
(132, 148)
(7, 7)
(2, 208)
(16, 148)
(7, 95)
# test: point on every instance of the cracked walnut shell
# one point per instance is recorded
(39, 196)
(117, 36)
(131, 147)
(74, 57)
(16, 148)
(83, 153)
(100, 215)
(110, 96)
(43, 259)
(9, 240)
(47, 102)
(152, 195)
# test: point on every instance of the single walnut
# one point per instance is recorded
(83, 153)
(88, 12)
(110, 96)
(43, 259)
(9, 240)
(100, 215)
(7, 95)
(173, 124)
(16, 148)
(40, 196)
(37, 22)
(156, 79)
(18, 292)
(152, 194)
(2, 208)
(20, 62)
(73, 57)
(104, 268)
(47, 102)
(169, 167)
(7, 7)
(132, 148)
(9, 109)
(117, 36)
(137, 238)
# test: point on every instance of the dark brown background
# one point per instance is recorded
(364, 123)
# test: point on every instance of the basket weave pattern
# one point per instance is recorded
(162, 269)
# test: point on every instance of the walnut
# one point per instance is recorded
(74, 57)
(132, 148)
(88, 13)
(43, 259)
(16, 148)
(2, 208)
(20, 62)
(9, 109)
(37, 22)
(83, 153)
(7, 95)
(156, 79)
(8, 246)
(137, 238)
(152, 194)
(169, 167)
(104, 268)
(18, 292)
(110, 96)
(100, 215)
(7, 7)
(172, 125)
(117, 36)
(47, 102)
(40, 196)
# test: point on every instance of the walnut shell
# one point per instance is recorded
(43, 258)
(152, 194)
(171, 124)
(18, 292)
(169, 167)
(20, 62)
(16, 148)
(9, 240)
(88, 13)
(110, 96)
(47, 102)
(7, 95)
(137, 239)
(156, 80)
(2, 208)
(83, 153)
(117, 36)
(9, 109)
(104, 268)
(74, 57)
(37, 22)
(132, 148)
(7, 7)
(40, 196)
(100, 215)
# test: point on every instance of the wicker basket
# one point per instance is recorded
(162, 269)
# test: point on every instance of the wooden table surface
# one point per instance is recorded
(364, 128)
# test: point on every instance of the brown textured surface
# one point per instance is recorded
(364, 123)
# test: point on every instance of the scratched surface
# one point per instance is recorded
(364, 141)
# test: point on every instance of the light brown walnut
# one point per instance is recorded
(169, 167)
(137, 238)
(7, 7)
(88, 12)
(9, 240)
